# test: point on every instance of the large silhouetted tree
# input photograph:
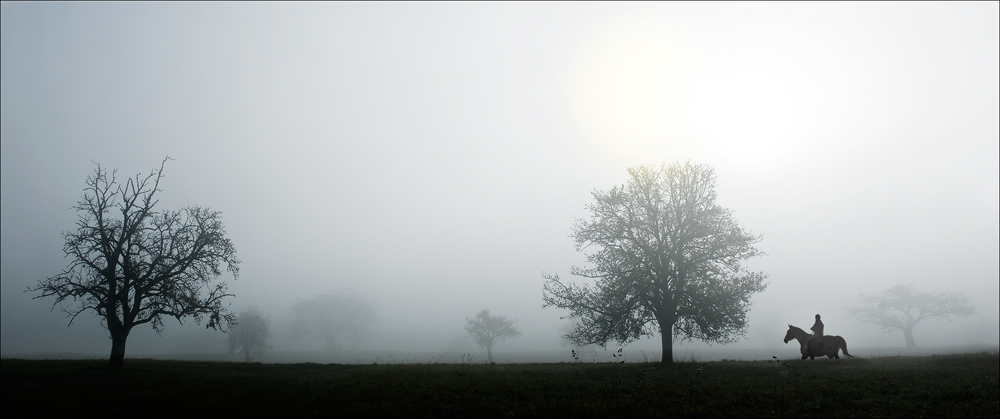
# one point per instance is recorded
(900, 307)
(249, 335)
(133, 264)
(666, 259)
(486, 330)
(333, 318)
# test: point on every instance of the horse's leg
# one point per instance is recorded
(804, 356)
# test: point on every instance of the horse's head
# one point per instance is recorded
(791, 333)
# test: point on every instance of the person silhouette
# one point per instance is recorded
(817, 327)
(817, 330)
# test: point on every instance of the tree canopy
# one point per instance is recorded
(249, 335)
(665, 259)
(133, 264)
(902, 308)
(487, 329)
(336, 319)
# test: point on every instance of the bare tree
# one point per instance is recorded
(666, 258)
(900, 307)
(133, 265)
(249, 335)
(334, 318)
(486, 329)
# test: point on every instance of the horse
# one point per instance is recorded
(813, 346)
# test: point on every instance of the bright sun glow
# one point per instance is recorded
(753, 106)
(628, 90)
(644, 97)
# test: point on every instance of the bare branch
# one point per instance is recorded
(134, 265)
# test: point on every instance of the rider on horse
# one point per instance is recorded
(817, 330)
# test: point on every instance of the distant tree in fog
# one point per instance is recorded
(666, 259)
(249, 335)
(133, 264)
(486, 330)
(902, 308)
(565, 330)
(335, 319)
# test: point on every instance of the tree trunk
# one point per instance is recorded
(667, 340)
(666, 323)
(489, 353)
(908, 334)
(118, 339)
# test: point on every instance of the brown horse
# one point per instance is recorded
(813, 346)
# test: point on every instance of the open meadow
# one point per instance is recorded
(957, 385)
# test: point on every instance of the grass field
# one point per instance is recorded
(960, 385)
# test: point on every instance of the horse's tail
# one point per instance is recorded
(843, 345)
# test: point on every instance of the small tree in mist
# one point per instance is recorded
(133, 264)
(486, 330)
(902, 308)
(249, 335)
(333, 318)
(566, 329)
(666, 259)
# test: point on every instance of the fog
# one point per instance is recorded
(433, 157)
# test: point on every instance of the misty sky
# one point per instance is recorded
(433, 156)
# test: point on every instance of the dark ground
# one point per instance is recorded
(958, 385)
